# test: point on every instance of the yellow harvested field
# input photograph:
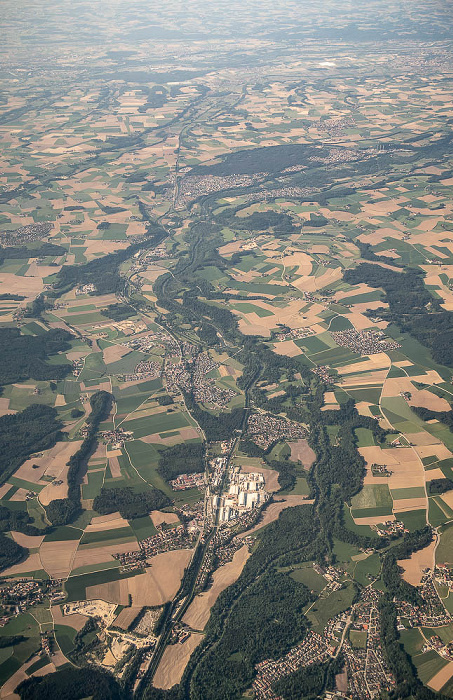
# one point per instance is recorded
(52, 463)
(57, 557)
(434, 474)
(161, 581)
(20, 495)
(448, 498)
(60, 400)
(97, 555)
(28, 541)
(421, 397)
(376, 378)
(199, 610)
(425, 441)
(407, 470)
(5, 410)
(287, 347)
(158, 517)
(28, 287)
(373, 520)
(51, 492)
(404, 504)
(114, 466)
(413, 567)
(312, 284)
(363, 408)
(4, 489)
(442, 677)
(302, 452)
(156, 586)
(31, 563)
(378, 361)
(270, 477)
(113, 353)
(126, 617)
(75, 621)
(174, 661)
(106, 522)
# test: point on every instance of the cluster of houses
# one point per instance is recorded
(205, 390)
(165, 540)
(367, 670)
(380, 470)
(390, 528)
(443, 575)
(150, 340)
(324, 373)
(295, 334)
(144, 370)
(18, 595)
(432, 613)
(315, 649)
(368, 342)
(195, 186)
(264, 429)
(188, 481)
(117, 437)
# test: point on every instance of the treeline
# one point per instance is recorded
(129, 503)
(268, 159)
(186, 458)
(367, 252)
(11, 641)
(11, 297)
(309, 682)
(61, 511)
(438, 486)
(281, 224)
(24, 356)
(445, 417)
(216, 428)
(72, 684)
(35, 429)
(118, 312)
(411, 307)
(10, 553)
(23, 253)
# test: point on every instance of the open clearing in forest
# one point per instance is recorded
(199, 610)
(417, 562)
(174, 661)
(302, 452)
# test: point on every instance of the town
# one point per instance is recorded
(265, 429)
(365, 342)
